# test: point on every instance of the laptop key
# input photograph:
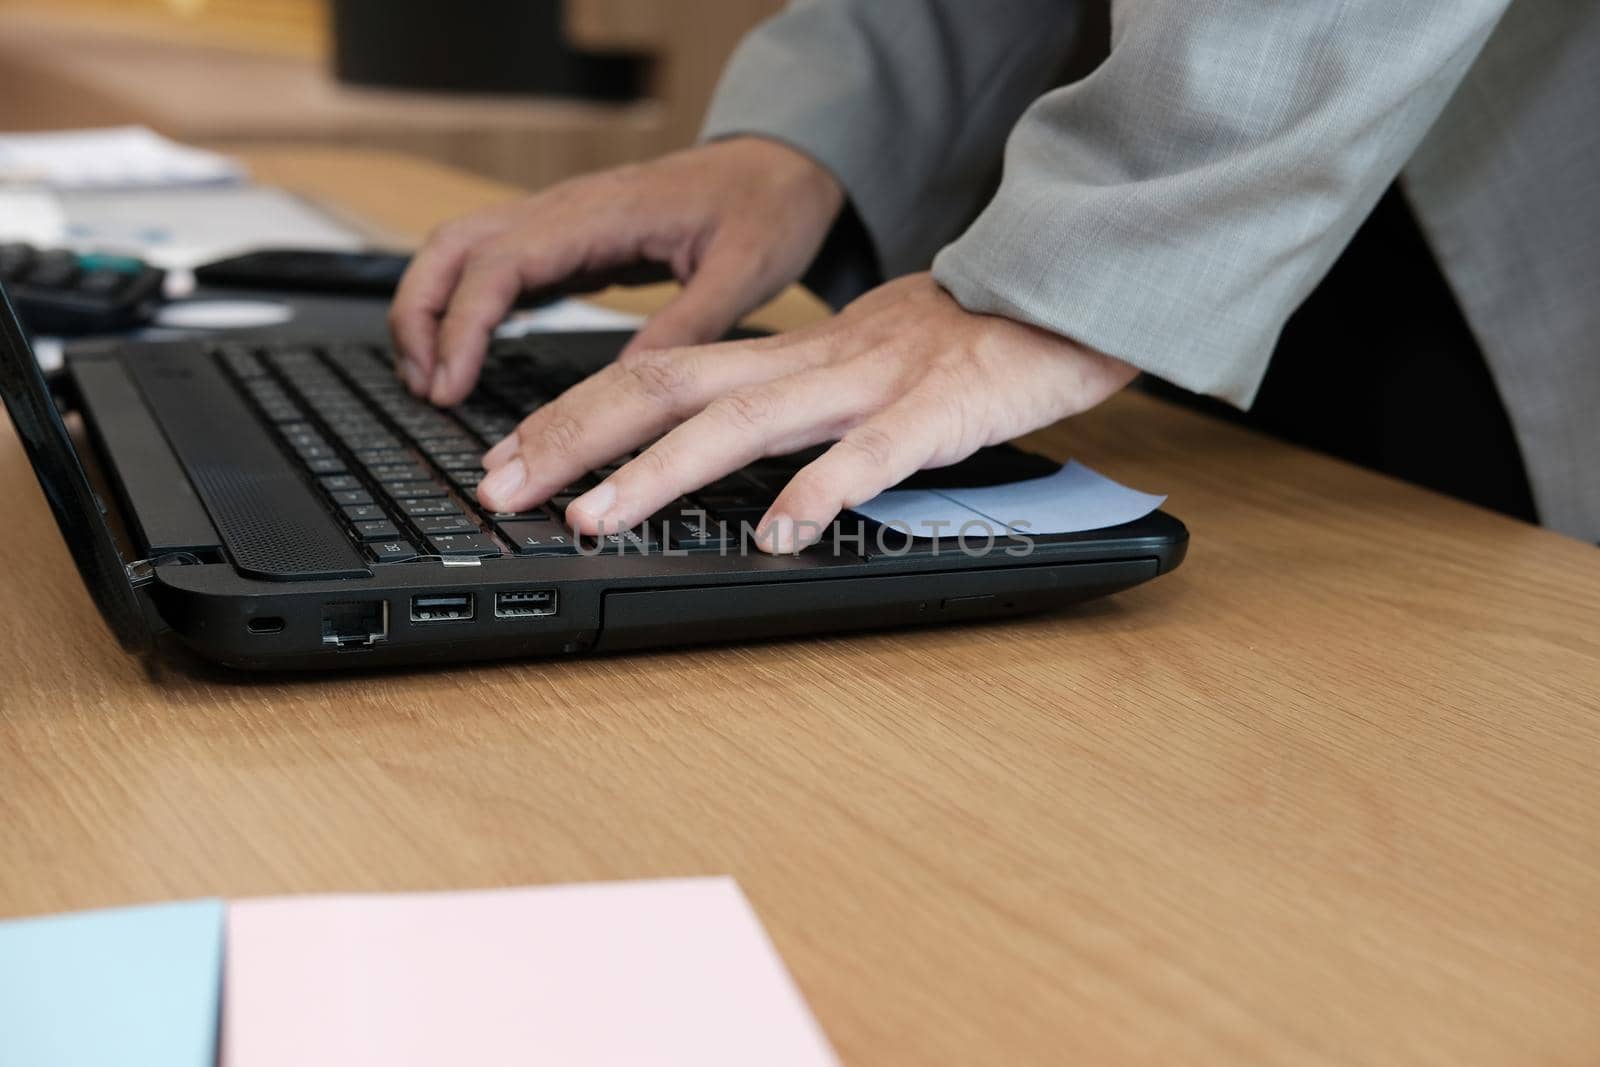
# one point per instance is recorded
(412, 472)
(627, 541)
(418, 509)
(242, 362)
(474, 544)
(396, 551)
(539, 538)
(750, 500)
(326, 466)
(413, 490)
(439, 448)
(535, 515)
(458, 460)
(446, 524)
(367, 443)
(581, 484)
(696, 533)
(383, 457)
(334, 483)
(377, 530)
(343, 497)
(309, 452)
(362, 512)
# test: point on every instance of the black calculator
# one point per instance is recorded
(66, 293)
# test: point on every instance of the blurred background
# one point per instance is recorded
(524, 91)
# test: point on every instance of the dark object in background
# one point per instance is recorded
(377, 273)
(66, 294)
(308, 270)
(492, 46)
(1379, 367)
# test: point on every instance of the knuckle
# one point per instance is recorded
(561, 435)
(653, 464)
(450, 233)
(658, 374)
(870, 445)
(744, 409)
(484, 261)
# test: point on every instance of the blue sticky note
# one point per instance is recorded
(124, 987)
(1072, 499)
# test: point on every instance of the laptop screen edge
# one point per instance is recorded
(77, 509)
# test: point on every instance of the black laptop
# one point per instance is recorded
(286, 504)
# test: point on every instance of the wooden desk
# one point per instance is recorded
(1325, 795)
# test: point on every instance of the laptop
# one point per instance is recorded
(284, 503)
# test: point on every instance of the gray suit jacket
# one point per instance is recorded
(1173, 203)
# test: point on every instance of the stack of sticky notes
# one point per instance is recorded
(639, 973)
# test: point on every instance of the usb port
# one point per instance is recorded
(441, 607)
(523, 603)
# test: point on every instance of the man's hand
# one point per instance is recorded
(902, 379)
(737, 221)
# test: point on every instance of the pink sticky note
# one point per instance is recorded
(671, 972)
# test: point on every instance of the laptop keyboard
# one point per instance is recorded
(402, 475)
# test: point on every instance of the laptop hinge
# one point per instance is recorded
(141, 572)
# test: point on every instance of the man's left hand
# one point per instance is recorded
(902, 379)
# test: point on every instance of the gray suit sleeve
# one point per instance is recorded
(1175, 206)
(906, 102)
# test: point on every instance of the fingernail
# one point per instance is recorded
(500, 452)
(495, 490)
(412, 373)
(776, 535)
(596, 502)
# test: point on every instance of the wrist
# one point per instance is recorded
(792, 170)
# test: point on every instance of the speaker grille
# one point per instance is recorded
(269, 518)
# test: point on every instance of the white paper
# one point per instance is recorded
(568, 313)
(33, 216)
(116, 157)
(1072, 499)
(181, 229)
(223, 314)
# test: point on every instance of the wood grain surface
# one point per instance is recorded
(1326, 795)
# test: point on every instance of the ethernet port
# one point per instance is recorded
(355, 624)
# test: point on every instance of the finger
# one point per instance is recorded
(770, 418)
(494, 274)
(724, 286)
(621, 407)
(487, 289)
(424, 293)
(874, 455)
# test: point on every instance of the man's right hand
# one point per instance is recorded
(736, 220)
